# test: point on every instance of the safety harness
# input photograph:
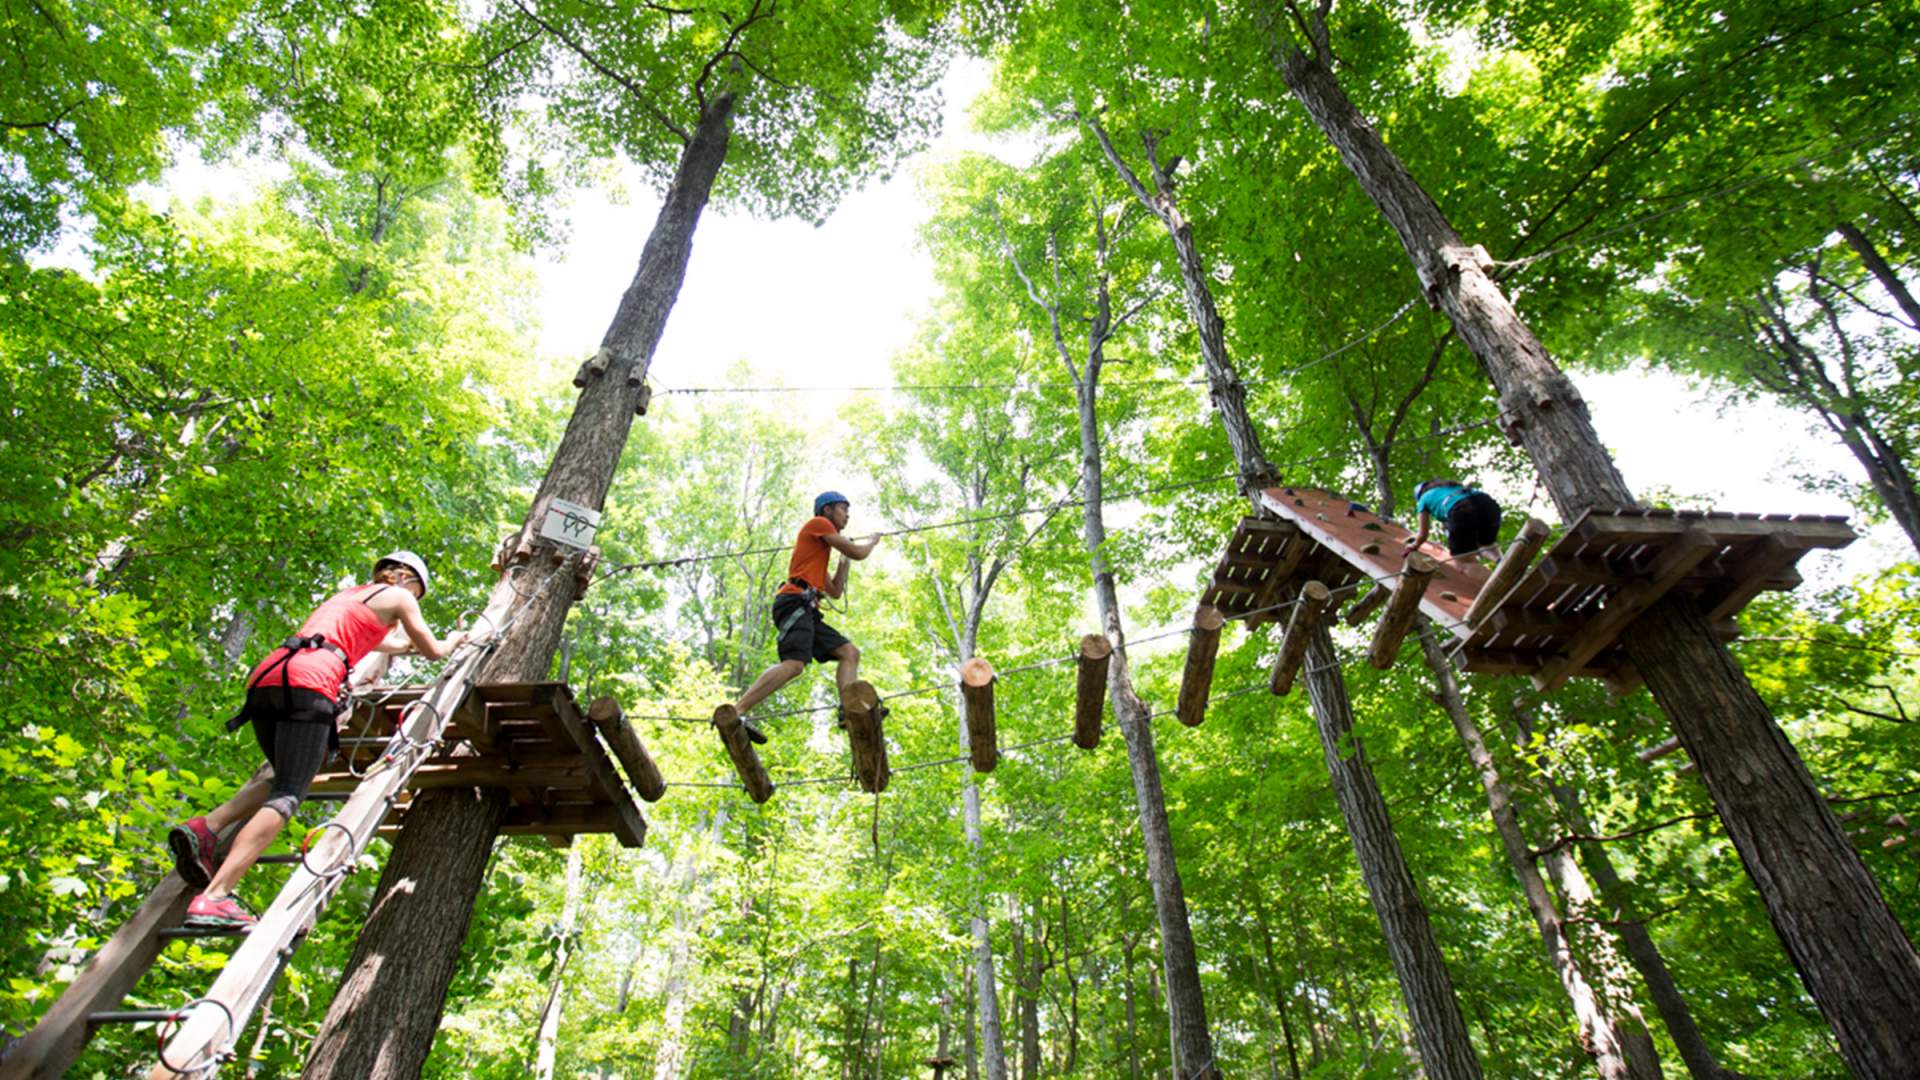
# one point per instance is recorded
(293, 646)
(810, 601)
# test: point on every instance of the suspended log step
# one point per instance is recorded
(1312, 603)
(733, 736)
(611, 722)
(1090, 690)
(1196, 679)
(976, 693)
(1401, 608)
(860, 703)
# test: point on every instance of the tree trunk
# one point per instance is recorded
(1277, 984)
(1852, 954)
(1701, 1062)
(967, 1040)
(384, 1016)
(1027, 978)
(1876, 265)
(1429, 997)
(1598, 1033)
(547, 1042)
(1446, 1051)
(669, 1062)
(992, 1048)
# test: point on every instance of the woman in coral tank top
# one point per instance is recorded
(293, 698)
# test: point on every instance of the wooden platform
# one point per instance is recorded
(532, 739)
(1567, 616)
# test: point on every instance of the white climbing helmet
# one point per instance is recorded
(409, 560)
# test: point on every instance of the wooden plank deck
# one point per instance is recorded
(1570, 612)
(530, 738)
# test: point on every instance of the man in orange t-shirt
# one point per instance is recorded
(803, 634)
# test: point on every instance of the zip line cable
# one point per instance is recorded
(616, 569)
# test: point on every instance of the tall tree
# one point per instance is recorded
(803, 102)
(1858, 964)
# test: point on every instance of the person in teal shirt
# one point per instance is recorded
(1471, 518)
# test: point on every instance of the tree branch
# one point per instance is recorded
(580, 50)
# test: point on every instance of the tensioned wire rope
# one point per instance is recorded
(616, 569)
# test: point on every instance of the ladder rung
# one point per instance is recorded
(131, 1016)
(277, 859)
(173, 932)
(329, 796)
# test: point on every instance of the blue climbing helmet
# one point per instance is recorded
(826, 499)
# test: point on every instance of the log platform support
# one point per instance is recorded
(1196, 680)
(1513, 566)
(1313, 601)
(1400, 611)
(627, 748)
(861, 705)
(733, 736)
(1090, 690)
(1367, 605)
(976, 690)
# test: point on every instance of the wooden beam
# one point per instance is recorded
(611, 721)
(630, 827)
(1513, 662)
(1196, 680)
(1753, 576)
(745, 762)
(1603, 628)
(1090, 690)
(1401, 608)
(1512, 567)
(565, 819)
(1312, 601)
(1368, 604)
(976, 692)
(547, 770)
(860, 704)
(1534, 622)
(1800, 533)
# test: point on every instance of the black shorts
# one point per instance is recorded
(297, 741)
(1473, 523)
(809, 638)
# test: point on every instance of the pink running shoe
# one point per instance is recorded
(193, 847)
(222, 914)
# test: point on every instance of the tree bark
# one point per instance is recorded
(1425, 985)
(1599, 1035)
(1876, 265)
(669, 1062)
(1701, 1062)
(1851, 953)
(1446, 1050)
(384, 1016)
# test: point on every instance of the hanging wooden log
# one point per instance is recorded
(976, 690)
(745, 762)
(1313, 601)
(644, 399)
(1513, 565)
(627, 747)
(1196, 681)
(1401, 608)
(1367, 605)
(597, 363)
(1090, 690)
(860, 703)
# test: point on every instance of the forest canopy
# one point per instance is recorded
(281, 288)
